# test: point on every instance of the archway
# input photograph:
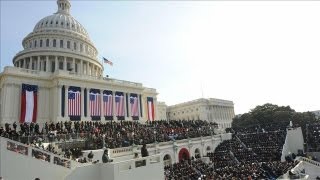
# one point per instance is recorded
(208, 148)
(197, 153)
(184, 154)
(167, 160)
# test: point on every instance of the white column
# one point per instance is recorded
(125, 105)
(64, 63)
(47, 63)
(56, 63)
(66, 113)
(24, 62)
(74, 65)
(139, 106)
(101, 96)
(28, 64)
(155, 103)
(38, 64)
(144, 108)
(129, 107)
(59, 100)
(82, 103)
(87, 68)
(81, 67)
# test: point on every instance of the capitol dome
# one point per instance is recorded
(61, 20)
(59, 42)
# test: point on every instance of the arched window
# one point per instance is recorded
(47, 43)
(54, 43)
(81, 47)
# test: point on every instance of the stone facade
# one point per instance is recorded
(56, 55)
(162, 111)
(212, 110)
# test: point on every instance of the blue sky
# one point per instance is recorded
(248, 52)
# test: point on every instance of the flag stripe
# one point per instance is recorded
(74, 103)
(29, 103)
(150, 106)
(107, 104)
(134, 106)
(119, 105)
(29, 106)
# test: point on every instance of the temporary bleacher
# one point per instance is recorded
(20, 161)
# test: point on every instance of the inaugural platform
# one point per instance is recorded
(62, 119)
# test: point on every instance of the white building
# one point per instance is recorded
(162, 111)
(212, 110)
(61, 76)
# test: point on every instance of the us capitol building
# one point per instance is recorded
(58, 77)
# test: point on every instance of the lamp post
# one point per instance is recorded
(133, 138)
(103, 141)
(188, 133)
(155, 135)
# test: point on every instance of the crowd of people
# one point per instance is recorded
(250, 154)
(197, 169)
(96, 135)
(269, 146)
(313, 137)
(242, 157)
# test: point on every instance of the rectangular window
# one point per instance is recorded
(81, 47)
(61, 43)
(68, 66)
(61, 65)
(47, 43)
(68, 44)
(54, 43)
(53, 66)
(74, 46)
(35, 43)
(41, 43)
(32, 65)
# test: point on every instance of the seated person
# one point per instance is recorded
(144, 151)
(105, 157)
(90, 156)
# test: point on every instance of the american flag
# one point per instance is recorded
(119, 105)
(74, 103)
(107, 105)
(95, 104)
(134, 106)
(29, 103)
(107, 61)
